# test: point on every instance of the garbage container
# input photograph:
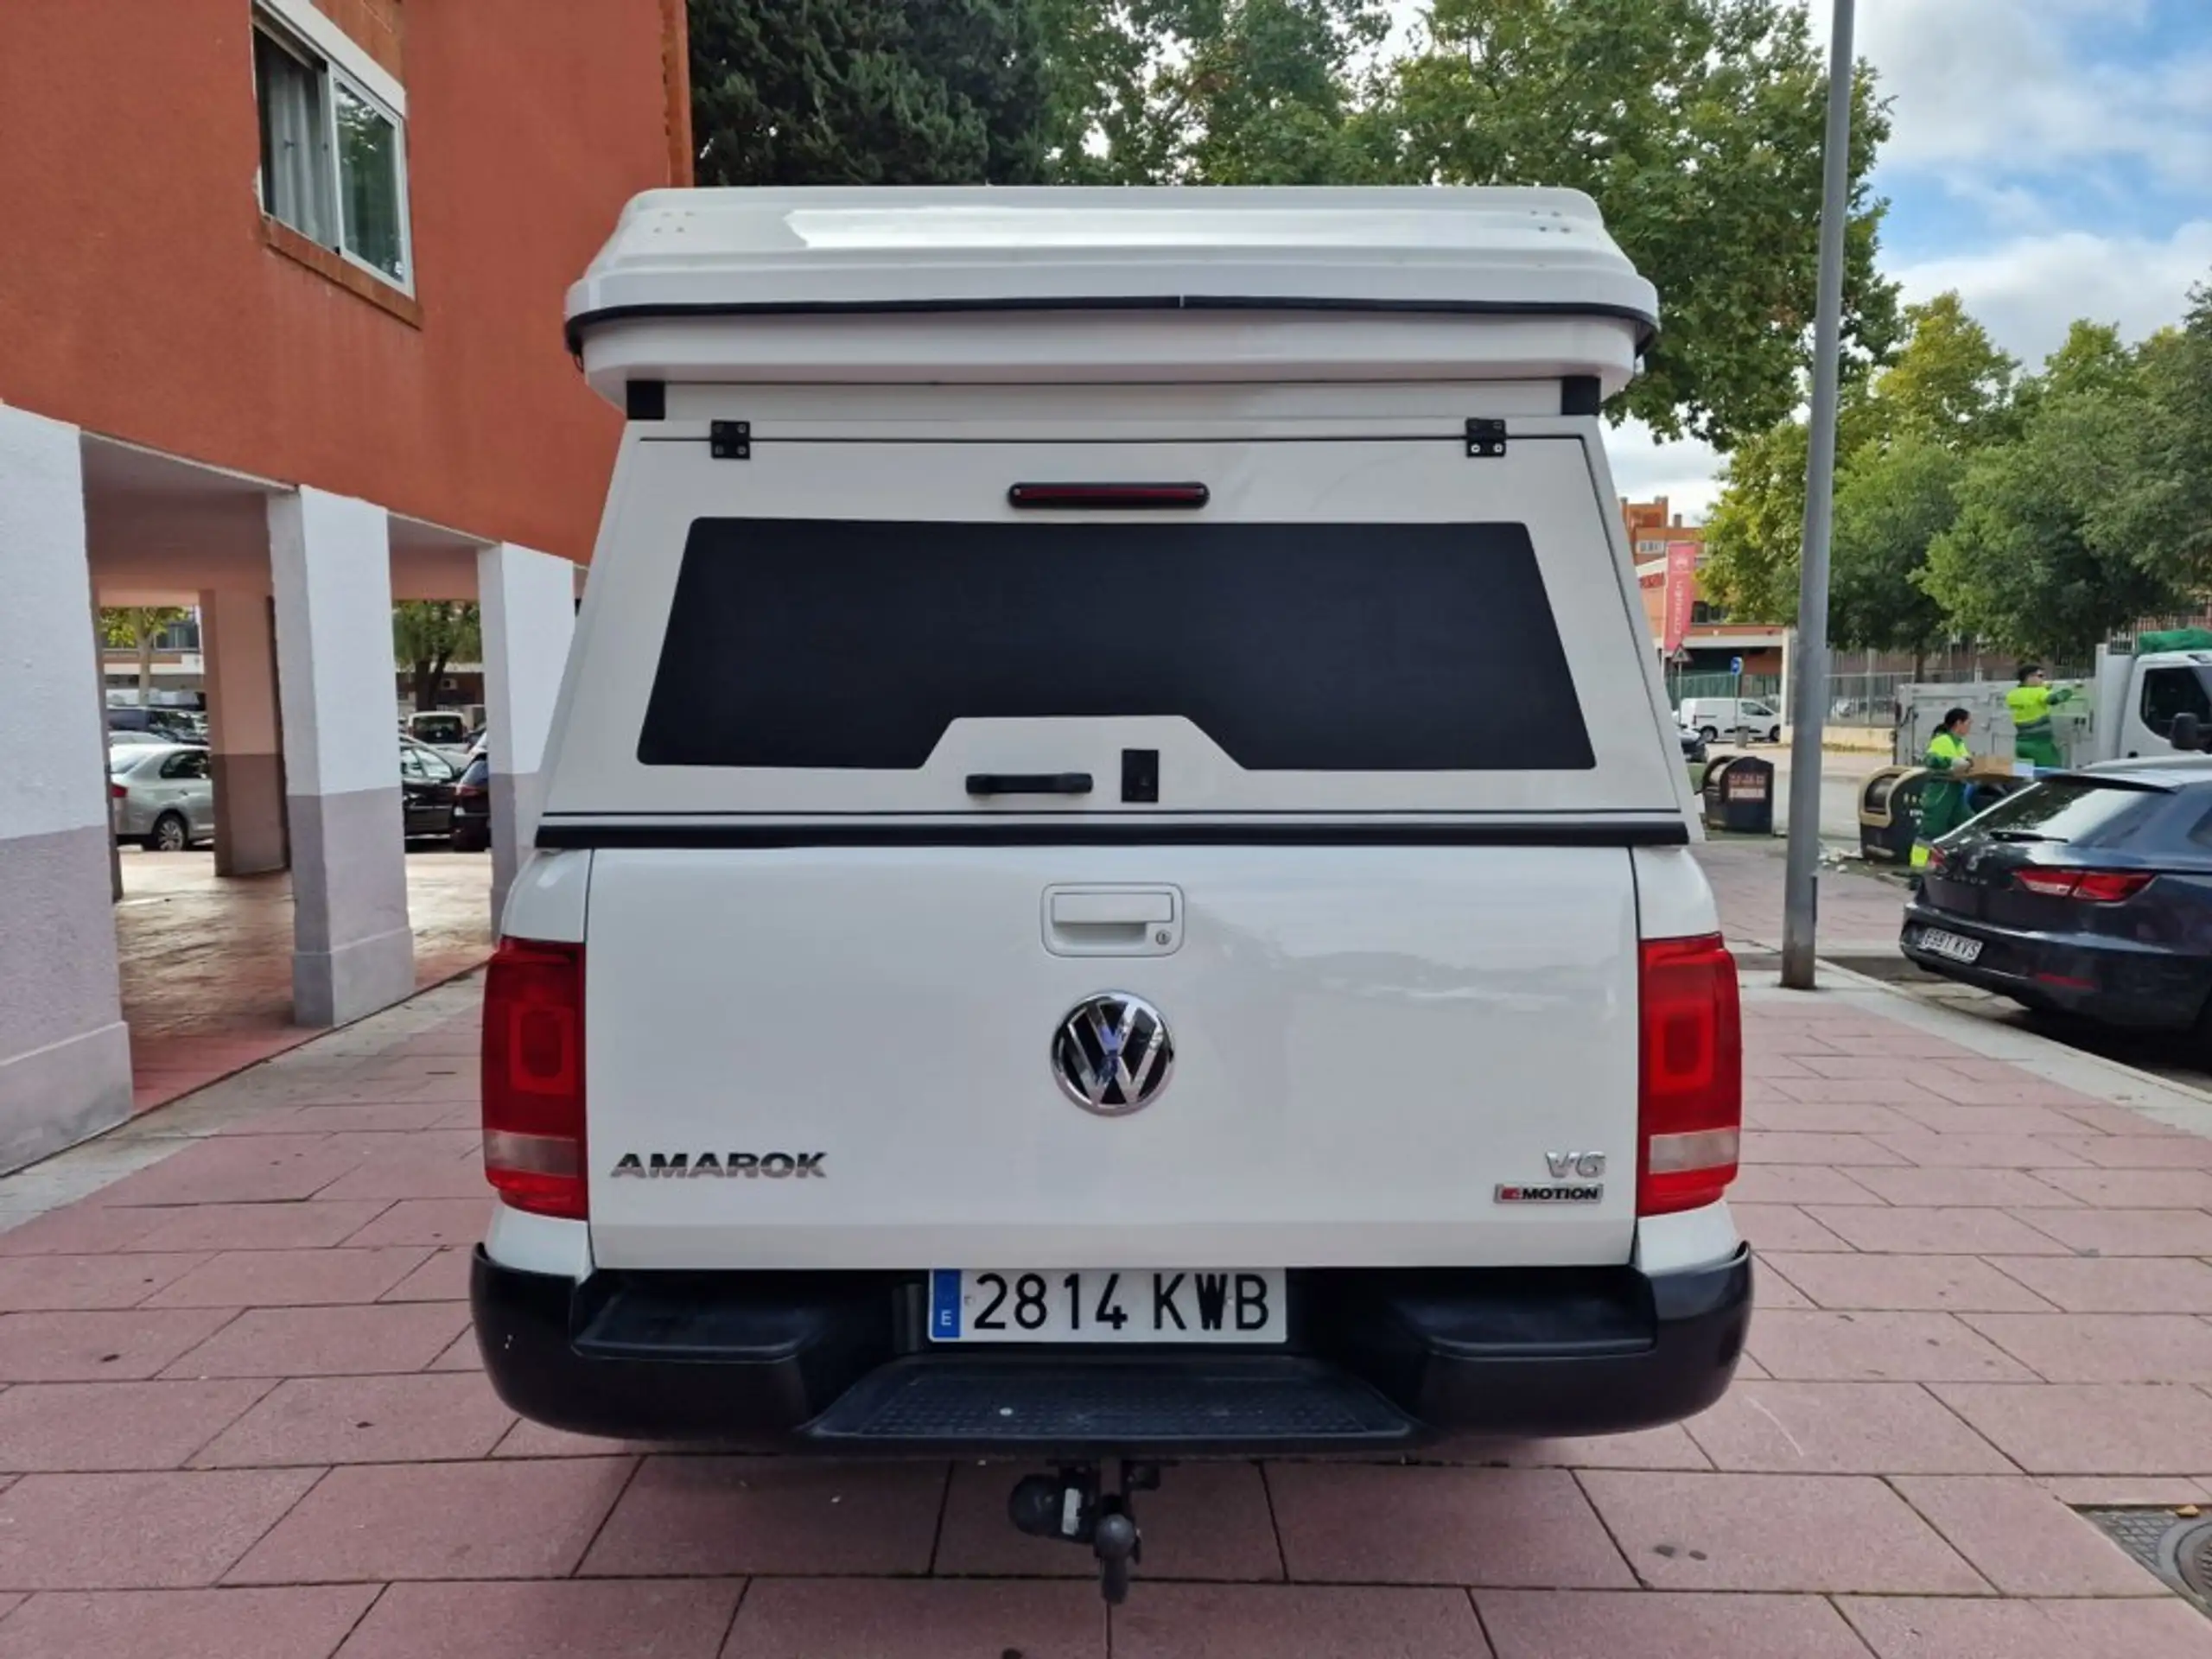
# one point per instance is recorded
(1888, 810)
(1739, 796)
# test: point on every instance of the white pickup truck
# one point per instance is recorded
(1041, 943)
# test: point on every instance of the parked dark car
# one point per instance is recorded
(2090, 892)
(472, 805)
(426, 790)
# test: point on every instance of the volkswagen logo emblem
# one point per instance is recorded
(1112, 1054)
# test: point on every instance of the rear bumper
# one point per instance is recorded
(2118, 982)
(1377, 1360)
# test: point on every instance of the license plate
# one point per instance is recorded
(1103, 1305)
(1956, 947)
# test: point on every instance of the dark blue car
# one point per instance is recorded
(2090, 892)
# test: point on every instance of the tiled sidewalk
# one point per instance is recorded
(243, 1417)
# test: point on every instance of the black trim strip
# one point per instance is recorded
(1094, 833)
(573, 329)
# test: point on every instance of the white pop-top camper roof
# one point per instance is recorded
(982, 283)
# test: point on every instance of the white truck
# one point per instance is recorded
(1041, 944)
(2126, 711)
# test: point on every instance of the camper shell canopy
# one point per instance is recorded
(992, 285)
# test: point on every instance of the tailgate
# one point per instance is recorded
(1368, 1042)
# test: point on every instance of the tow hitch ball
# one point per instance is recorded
(1073, 1506)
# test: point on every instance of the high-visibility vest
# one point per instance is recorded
(1947, 751)
(2030, 707)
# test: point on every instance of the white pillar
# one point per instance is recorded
(64, 1052)
(238, 646)
(529, 608)
(330, 562)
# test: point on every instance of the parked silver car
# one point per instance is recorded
(162, 796)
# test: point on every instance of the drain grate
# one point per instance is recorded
(2176, 1549)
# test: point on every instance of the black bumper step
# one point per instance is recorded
(973, 1402)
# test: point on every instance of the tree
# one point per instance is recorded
(1949, 387)
(867, 92)
(1891, 503)
(1696, 125)
(2162, 510)
(428, 635)
(138, 626)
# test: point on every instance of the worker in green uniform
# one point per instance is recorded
(1943, 796)
(2029, 703)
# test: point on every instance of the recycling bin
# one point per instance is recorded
(1739, 796)
(1889, 812)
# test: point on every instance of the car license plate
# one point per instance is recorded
(1957, 947)
(1103, 1305)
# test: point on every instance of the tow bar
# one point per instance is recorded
(1073, 1506)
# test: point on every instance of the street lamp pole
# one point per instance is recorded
(1800, 888)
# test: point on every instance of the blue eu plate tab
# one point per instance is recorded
(944, 1305)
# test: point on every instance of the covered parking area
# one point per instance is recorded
(312, 906)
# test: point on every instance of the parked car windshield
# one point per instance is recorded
(2070, 808)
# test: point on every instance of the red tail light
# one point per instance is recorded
(534, 1077)
(118, 792)
(2091, 886)
(1691, 1109)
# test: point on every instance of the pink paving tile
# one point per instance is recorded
(1180, 1621)
(2136, 1151)
(2023, 1540)
(1373, 1523)
(78, 1229)
(2125, 1232)
(1871, 1347)
(769, 1514)
(434, 1521)
(2104, 1347)
(1838, 1151)
(1873, 1068)
(429, 1221)
(97, 1346)
(2108, 1119)
(1668, 1447)
(115, 1426)
(461, 1355)
(2014, 1088)
(1917, 1230)
(1840, 1428)
(326, 1341)
(1806, 1184)
(1945, 1118)
(2091, 1428)
(236, 1169)
(1931, 1151)
(1659, 1625)
(427, 1175)
(2128, 1491)
(931, 1618)
(305, 1622)
(1207, 1521)
(308, 1225)
(2136, 1189)
(550, 1619)
(1908, 1629)
(1773, 1288)
(390, 1115)
(290, 1278)
(32, 1283)
(2146, 1284)
(1906, 1283)
(1998, 1188)
(1814, 1117)
(362, 1419)
(1812, 1089)
(1815, 1534)
(443, 1278)
(137, 1532)
(1783, 1227)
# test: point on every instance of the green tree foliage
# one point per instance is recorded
(138, 626)
(2163, 513)
(2038, 559)
(1950, 388)
(428, 635)
(1891, 503)
(867, 92)
(1696, 125)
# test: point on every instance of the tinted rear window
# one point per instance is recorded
(814, 642)
(2072, 809)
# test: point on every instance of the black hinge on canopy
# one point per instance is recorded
(1485, 440)
(730, 440)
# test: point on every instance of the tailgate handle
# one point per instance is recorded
(1029, 783)
(1112, 909)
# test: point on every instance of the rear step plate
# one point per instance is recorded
(947, 1402)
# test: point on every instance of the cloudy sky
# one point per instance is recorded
(2049, 159)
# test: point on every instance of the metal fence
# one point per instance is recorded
(1858, 699)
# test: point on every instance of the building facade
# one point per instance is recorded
(280, 340)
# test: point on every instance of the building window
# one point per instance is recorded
(334, 158)
(1703, 615)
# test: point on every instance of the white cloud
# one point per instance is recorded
(2027, 291)
(1682, 472)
